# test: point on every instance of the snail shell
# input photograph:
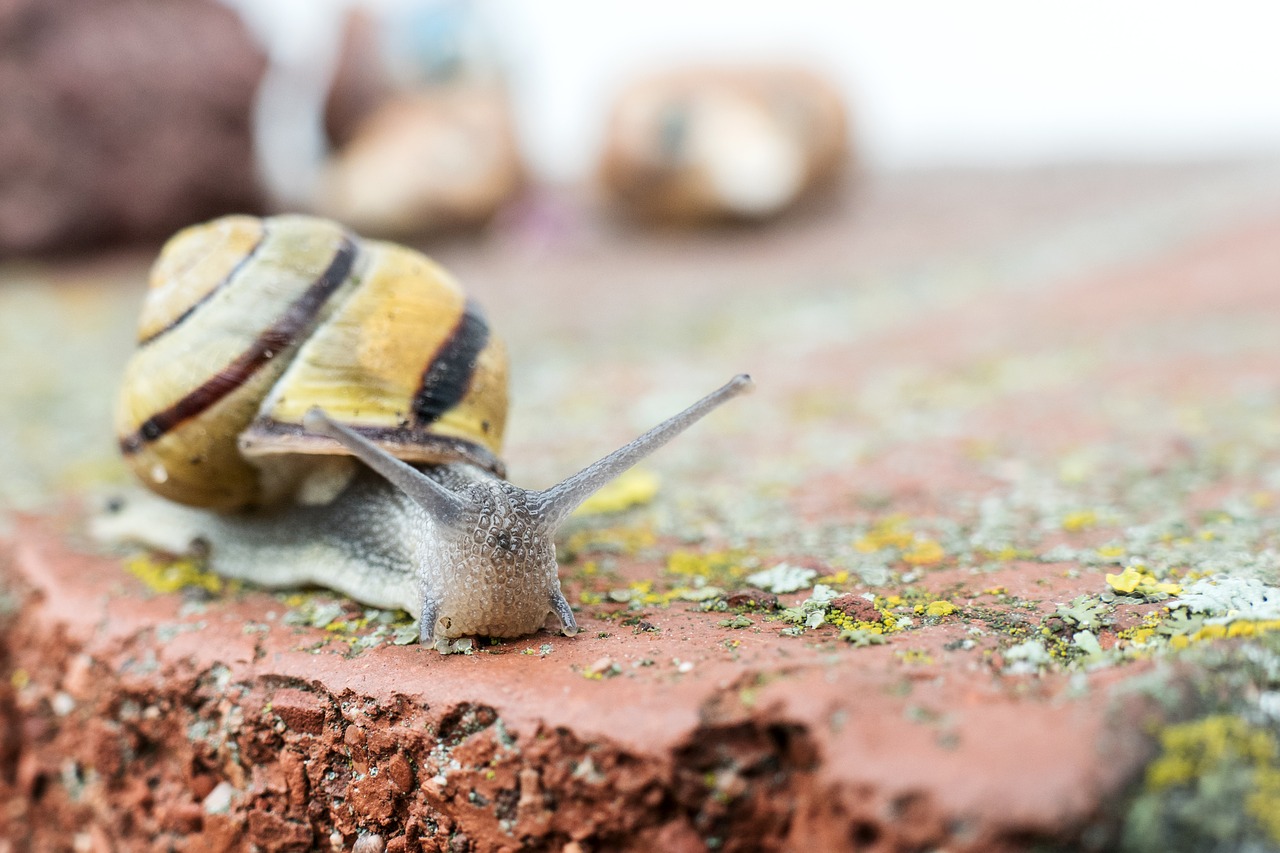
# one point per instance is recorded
(734, 142)
(249, 323)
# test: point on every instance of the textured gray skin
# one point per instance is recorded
(494, 575)
(494, 571)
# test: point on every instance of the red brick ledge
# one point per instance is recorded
(129, 725)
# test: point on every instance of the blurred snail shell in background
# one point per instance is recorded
(439, 158)
(395, 121)
(723, 143)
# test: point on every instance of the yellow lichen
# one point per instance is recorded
(924, 552)
(886, 624)
(847, 623)
(1083, 519)
(1137, 578)
(347, 626)
(939, 608)
(636, 487)
(915, 656)
(1263, 804)
(642, 592)
(1140, 635)
(891, 532)
(1218, 631)
(1222, 743)
(711, 565)
(1126, 581)
(168, 576)
(618, 540)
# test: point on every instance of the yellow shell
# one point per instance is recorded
(249, 323)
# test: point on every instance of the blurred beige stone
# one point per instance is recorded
(442, 157)
(723, 143)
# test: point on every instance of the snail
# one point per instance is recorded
(736, 142)
(311, 408)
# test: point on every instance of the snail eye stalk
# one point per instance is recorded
(560, 500)
(443, 505)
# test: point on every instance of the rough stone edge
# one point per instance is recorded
(97, 755)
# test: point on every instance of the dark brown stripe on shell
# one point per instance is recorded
(448, 377)
(445, 447)
(271, 342)
(181, 318)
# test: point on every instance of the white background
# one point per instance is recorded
(929, 82)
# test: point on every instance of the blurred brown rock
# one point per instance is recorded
(122, 119)
(723, 143)
(127, 119)
(361, 79)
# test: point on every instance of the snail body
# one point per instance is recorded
(243, 458)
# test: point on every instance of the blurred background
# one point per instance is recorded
(932, 83)
(648, 197)
(127, 118)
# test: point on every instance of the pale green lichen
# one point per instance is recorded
(812, 611)
(782, 578)
(641, 594)
(365, 629)
(1234, 597)
(816, 611)
(1215, 782)
(1026, 658)
(1210, 608)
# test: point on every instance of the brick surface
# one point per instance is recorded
(986, 406)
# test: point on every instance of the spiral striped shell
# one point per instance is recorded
(248, 323)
